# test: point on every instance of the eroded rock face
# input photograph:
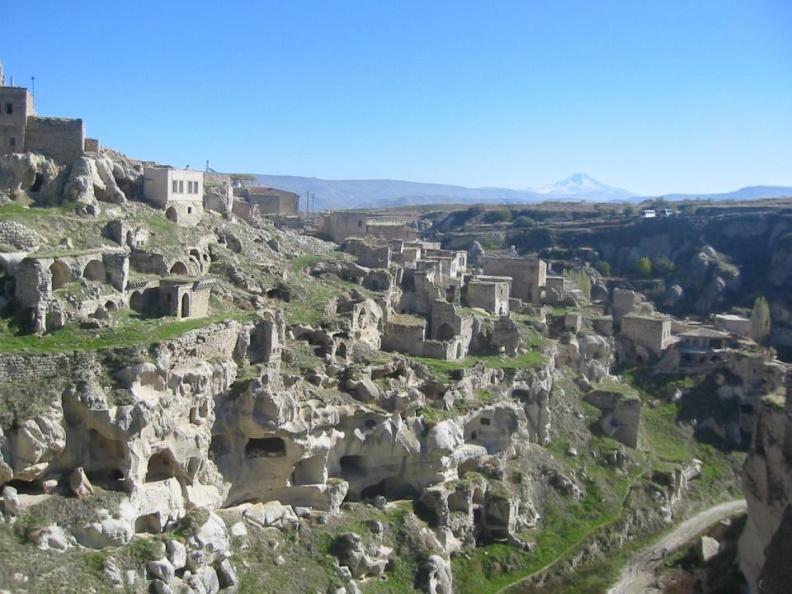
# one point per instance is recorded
(767, 486)
(33, 175)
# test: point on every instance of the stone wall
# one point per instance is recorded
(36, 278)
(18, 236)
(185, 298)
(340, 225)
(529, 275)
(371, 256)
(624, 302)
(33, 280)
(17, 368)
(92, 145)
(277, 203)
(491, 296)
(59, 138)
(404, 338)
(218, 341)
(15, 106)
(652, 332)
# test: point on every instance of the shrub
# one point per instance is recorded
(603, 268)
(663, 265)
(643, 267)
(523, 222)
(500, 215)
(582, 279)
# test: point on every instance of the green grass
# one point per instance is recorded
(565, 527)
(13, 211)
(449, 369)
(130, 330)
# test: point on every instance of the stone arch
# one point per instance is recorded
(185, 306)
(445, 332)
(111, 306)
(459, 350)
(172, 215)
(94, 271)
(179, 268)
(161, 466)
(196, 255)
(136, 302)
(341, 351)
(61, 275)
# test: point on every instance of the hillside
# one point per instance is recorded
(193, 399)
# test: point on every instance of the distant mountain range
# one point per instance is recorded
(350, 194)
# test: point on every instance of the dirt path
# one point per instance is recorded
(638, 573)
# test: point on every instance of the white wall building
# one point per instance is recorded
(178, 191)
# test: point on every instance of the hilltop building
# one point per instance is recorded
(21, 130)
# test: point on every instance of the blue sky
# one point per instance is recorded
(652, 96)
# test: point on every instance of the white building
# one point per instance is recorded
(178, 191)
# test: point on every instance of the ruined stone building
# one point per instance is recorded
(271, 201)
(341, 225)
(178, 191)
(650, 331)
(529, 275)
(21, 130)
(490, 293)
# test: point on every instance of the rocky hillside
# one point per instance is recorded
(704, 260)
(274, 445)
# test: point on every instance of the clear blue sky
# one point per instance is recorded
(655, 96)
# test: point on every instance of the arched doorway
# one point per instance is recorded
(185, 306)
(136, 302)
(61, 275)
(94, 271)
(179, 268)
(171, 215)
(445, 332)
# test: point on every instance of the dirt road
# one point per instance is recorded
(638, 573)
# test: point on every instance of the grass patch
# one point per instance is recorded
(449, 370)
(129, 330)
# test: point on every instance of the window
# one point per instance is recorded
(9, 108)
(175, 186)
(12, 141)
(189, 187)
(181, 187)
(189, 210)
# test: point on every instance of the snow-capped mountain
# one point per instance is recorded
(581, 187)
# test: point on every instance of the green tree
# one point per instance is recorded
(664, 266)
(644, 267)
(760, 320)
(603, 267)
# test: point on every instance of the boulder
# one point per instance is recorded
(79, 484)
